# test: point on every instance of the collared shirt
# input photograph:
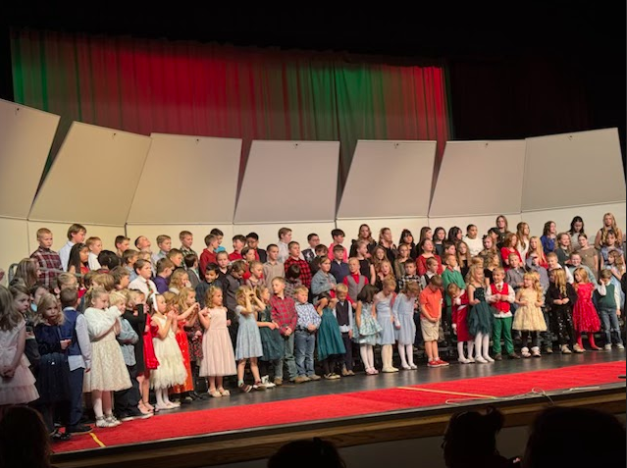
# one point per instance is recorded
(185, 251)
(64, 254)
(307, 315)
(127, 339)
(305, 272)
(145, 286)
(47, 260)
(511, 297)
(82, 336)
(271, 271)
(514, 277)
(158, 256)
(284, 313)
(92, 261)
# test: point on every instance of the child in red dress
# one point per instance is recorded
(459, 308)
(585, 316)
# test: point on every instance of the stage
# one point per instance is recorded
(352, 405)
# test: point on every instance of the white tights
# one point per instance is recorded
(367, 356)
(406, 350)
(460, 348)
(163, 400)
(482, 345)
(102, 403)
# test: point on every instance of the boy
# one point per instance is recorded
(94, 244)
(345, 318)
(284, 315)
(79, 358)
(285, 237)
(208, 255)
(607, 302)
(239, 242)
(534, 265)
(142, 243)
(191, 266)
(122, 244)
(321, 252)
(176, 257)
(187, 239)
(432, 270)
(164, 242)
(553, 261)
(354, 281)
(295, 258)
(252, 240)
(309, 254)
(48, 260)
(232, 282)
(410, 275)
(129, 257)
(305, 336)
(219, 237)
(338, 239)
(211, 279)
(273, 268)
(75, 235)
(339, 268)
(501, 295)
(431, 313)
(165, 268)
(65, 281)
(576, 262)
(515, 274)
(121, 278)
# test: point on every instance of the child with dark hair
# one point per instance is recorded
(321, 252)
(315, 452)
(338, 239)
(252, 240)
(292, 279)
(239, 242)
(191, 266)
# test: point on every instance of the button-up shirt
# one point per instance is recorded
(283, 313)
(47, 260)
(307, 315)
(64, 254)
(305, 272)
(271, 271)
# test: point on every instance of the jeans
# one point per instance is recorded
(304, 345)
(611, 329)
(502, 328)
(288, 359)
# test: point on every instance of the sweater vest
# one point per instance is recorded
(354, 288)
(69, 330)
(341, 312)
(608, 301)
(502, 306)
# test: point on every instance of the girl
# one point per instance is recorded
(403, 311)
(616, 264)
(193, 333)
(529, 318)
(438, 239)
(271, 341)
(502, 229)
(509, 247)
(28, 270)
(53, 374)
(609, 224)
(171, 370)
(403, 256)
(473, 241)
(385, 241)
(384, 272)
(459, 306)
(256, 275)
(610, 245)
(248, 339)
(185, 305)
(382, 309)
(576, 229)
(425, 233)
(22, 302)
(17, 384)
(585, 316)
(523, 234)
(549, 234)
(408, 238)
(366, 268)
(178, 280)
(330, 345)
(480, 318)
(378, 256)
(426, 252)
(560, 298)
(563, 249)
(464, 260)
(218, 359)
(535, 248)
(108, 371)
(367, 327)
(79, 258)
(589, 255)
(455, 235)
(364, 234)
(323, 281)
(489, 249)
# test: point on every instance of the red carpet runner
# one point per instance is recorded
(344, 405)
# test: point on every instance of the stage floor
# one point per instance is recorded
(362, 395)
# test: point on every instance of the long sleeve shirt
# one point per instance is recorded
(421, 264)
(452, 276)
(48, 261)
(92, 261)
(475, 246)
(323, 282)
(127, 339)
(305, 272)
(307, 315)
(64, 254)
(499, 288)
(351, 316)
(271, 271)
(514, 277)
(283, 312)
(600, 296)
(82, 360)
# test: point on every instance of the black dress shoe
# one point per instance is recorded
(513, 356)
(498, 357)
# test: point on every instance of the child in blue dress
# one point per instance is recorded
(383, 303)
(248, 338)
(366, 327)
(331, 348)
(403, 310)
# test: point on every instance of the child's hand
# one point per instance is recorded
(65, 344)
(323, 302)
(198, 334)
(397, 325)
(311, 327)
(565, 300)
(228, 323)
(288, 331)
(350, 334)
(618, 312)
(455, 328)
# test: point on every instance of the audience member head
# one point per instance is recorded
(314, 453)
(24, 439)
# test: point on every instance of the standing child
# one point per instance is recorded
(208, 255)
(366, 268)
(305, 337)
(451, 274)
(165, 245)
(431, 310)
(509, 248)
(459, 315)
(323, 281)
(94, 244)
(185, 305)
(560, 298)
(607, 302)
(76, 235)
(193, 333)
(339, 267)
(143, 282)
(515, 273)
(589, 255)
(367, 327)
(292, 279)
(256, 275)
(563, 249)
(283, 311)
(480, 317)
(295, 258)
(529, 319)
(321, 252)
(239, 242)
(402, 259)
(432, 270)
(191, 266)
(273, 268)
(165, 268)
(344, 315)
(108, 371)
(48, 260)
(383, 303)
(187, 239)
(331, 348)
(176, 257)
(404, 309)
(248, 339)
(78, 261)
(218, 359)
(585, 316)
(355, 281)
(502, 295)
(271, 341)
(549, 236)
(338, 239)
(384, 271)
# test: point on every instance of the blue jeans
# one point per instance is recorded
(288, 359)
(304, 345)
(611, 329)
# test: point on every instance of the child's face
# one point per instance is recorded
(238, 245)
(403, 251)
(161, 305)
(185, 280)
(22, 303)
(223, 261)
(145, 271)
(565, 240)
(552, 228)
(166, 245)
(187, 241)
(237, 274)
(433, 267)
(325, 266)
(250, 256)
(314, 242)
(338, 255)
(611, 240)
(534, 260)
(339, 239)
(388, 289)
(575, 260)
(287, 237)
(433, 287)
(450, 250)
(84, 254)
(498, 276)
(408, 239)
(167, 272)
(191, 298)
(252, 243)
(552, 276)
(38, 294)
(177, 260)
(353, 266)
(583, 242)
(219, 239)
(611, 259)
(410, 268)
(488, 242)
(427, 246)
(295, 250)
(211, 276)
(472, 232)
(79, 237)
(257, 271)
(428, 234)
(386, 269)
(463, 248)
(125, 281)
(514, 262)
(122, 246)
(51, 313)
(265, 295)
(96, 247)
(527, 283)
(143, 243)
(301, 296)
(387, 235)
(500, 222)
(217, 298)
(278, 287)
(131, 260)
(100, 302)
(553, 263)
(577, 277)
(45, 240)
(363, 250)
(341, 295)
(380, 254)
(451, 261)
(273, 253)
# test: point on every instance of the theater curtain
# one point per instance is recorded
(146, 86)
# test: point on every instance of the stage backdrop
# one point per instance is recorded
(151, 86)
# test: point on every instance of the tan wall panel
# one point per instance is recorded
(14, 241)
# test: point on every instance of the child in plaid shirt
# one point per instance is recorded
(48, 260)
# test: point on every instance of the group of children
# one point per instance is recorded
(104, 327)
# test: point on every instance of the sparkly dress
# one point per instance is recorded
(529, 317)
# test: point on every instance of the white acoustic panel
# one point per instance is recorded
(59, 234)
(206, 169)
(199, 231)
(25, 138)
(289, 181)
(93, 178)
(405, 166)
(575, 169)
(479, 178)
(14, 241)
(483, 223)
(396, 225)
(269, 233)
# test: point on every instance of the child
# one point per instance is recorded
(403, 311)
(208, 255)
(94, 244)
(366, 268)
(76, 235)
(536, 249)
(502, 295)
(108, 372)
(171, 370)
(324, 281)
(480, 319)
(27, 309)
(464, 259)
(402, 259)
(475, 245)
(367, 327)
(271, 341)
(295, 259)
(589, 255)
(611, 244)
(48, 260)
(575, 261)
(178, 281)
(77, 263)
(543, 274)
(165, 244)
(509, 248)
(248, 339)
(211, 279)
(439, 235)
(563, 249)
(187, 239)
(553, 262)
(607, 302)
(252, 240)
(427, 252)
(223, 263)
(193, 333)
(354, 281)
(515, 273)
(284, 315)
(330, 344)
(523, 234)
(431, 310)
(344, 314)
(529, 319)
(256, 275)
(383, 303)
(549, 235)
(53, 372)
(285, 237)
(432, 270)
(313, 240)
(121, 278)
(232, 283)
(339, 267)
(176, 257)
(292, 280)
(129, 258)
(122, 244)
(560, 298)
(219, 235)
(384, 271)
(17, 385)
(239, 241)
(305, 336)
(185, 305)
(321, 252)
(273, 268)
(459, 316)
(450, 275)
(143, 282)
(191, 266)
(338, 239)
(165, 268)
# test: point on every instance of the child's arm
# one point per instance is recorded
(82, 336)
(205, 319)
(471, 296)
(322, 303)
(518, 296)
(190, 311)
(491, 298)
(358, 314)
(511, 294)
(127, 335)
(373, 274)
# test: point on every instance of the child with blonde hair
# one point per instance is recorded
(256, 274)
(383, 303)
(403, 310)
(560, 298)
(607, 301)
(249, 346)
(185, 305)
(480, 319)
(529, 319)
(585, 316)
(384, 271)
(367, 327)
(178, 280)
(536, 249)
